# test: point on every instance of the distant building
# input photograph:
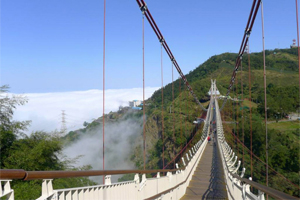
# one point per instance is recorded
(135, 103)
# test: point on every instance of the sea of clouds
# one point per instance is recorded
(45, 109)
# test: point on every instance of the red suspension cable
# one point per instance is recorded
(237, 113)
(144, 115)
(250, 107)
(180, 100)
(242, 106)
(162, 108)
(265, 88)
(233, 112)
(173, 114)
(250, 23)
(103, 117)
(297, 19)
(249, 18)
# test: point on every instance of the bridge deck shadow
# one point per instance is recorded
(208, 179)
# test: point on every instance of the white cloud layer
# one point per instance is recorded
(45, 109)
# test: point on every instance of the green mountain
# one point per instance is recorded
(178, 114)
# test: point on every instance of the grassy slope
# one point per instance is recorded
(285, 125)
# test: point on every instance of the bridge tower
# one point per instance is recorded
(213, 88)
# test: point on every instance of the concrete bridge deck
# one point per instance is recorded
(208, 179)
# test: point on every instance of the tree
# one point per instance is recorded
(85, 124)
(9, 130)
(39, 151)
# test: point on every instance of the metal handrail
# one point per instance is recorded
(270, 191)
(34, 175)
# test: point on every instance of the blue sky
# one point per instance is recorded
(56, 46)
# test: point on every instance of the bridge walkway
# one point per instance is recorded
(208, 179)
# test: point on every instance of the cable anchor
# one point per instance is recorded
(248, 32)
(143, 8)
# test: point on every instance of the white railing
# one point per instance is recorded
(235, 188)
(171, 186)
(5, 190)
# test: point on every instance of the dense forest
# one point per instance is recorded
(173, 118)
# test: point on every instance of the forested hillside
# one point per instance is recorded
(178, 115)
(283, 99)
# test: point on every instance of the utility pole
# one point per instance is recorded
(63, 128)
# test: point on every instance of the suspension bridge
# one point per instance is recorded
(211, 168)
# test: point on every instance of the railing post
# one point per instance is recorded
(183, 161)
(8, 192)
(137, 183)
(144, 178)
(47, 188)
(187, 157)
(158, 174)
(236, 169)
(177, 167)
(143, 183)
(261, 195)
(137, 178)
(233, 163)
(244, 192)
(243, 173)
(107, 180)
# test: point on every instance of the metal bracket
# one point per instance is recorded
(143, 8)
(248, 32)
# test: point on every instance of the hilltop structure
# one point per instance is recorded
(135, 103)
(294, 44)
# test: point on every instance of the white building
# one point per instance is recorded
(134, 103)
